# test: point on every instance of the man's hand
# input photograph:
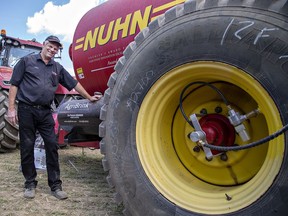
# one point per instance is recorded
(96, 97)
(79, 88)
(12, 116)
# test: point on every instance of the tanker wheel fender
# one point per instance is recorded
(239, 46)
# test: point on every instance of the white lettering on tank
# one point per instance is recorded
(76, 106)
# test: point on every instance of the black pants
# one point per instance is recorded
(41, 119)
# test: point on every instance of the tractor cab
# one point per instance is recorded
(12, 49)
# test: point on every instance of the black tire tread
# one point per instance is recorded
(9, 138)
(190, 6)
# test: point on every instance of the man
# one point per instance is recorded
(34, 81)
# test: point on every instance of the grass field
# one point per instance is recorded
(83, 179)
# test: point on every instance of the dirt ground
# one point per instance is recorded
(83, 179)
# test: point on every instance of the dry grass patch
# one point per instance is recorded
(83, 179)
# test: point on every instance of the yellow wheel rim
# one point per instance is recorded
(184, 176)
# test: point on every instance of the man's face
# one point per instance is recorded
(50, 49)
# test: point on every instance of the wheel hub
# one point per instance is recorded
(218, 130)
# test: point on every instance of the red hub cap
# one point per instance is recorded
(218, 129)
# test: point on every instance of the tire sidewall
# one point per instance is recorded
(238, 38)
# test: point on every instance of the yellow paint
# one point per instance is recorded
(101, 40)
(79, 71)
(139, 20)
(168, 5)
(90, 40)
(121, 27)
(80, 40)
(185, 177)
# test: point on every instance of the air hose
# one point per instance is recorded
(250, 145)
(225, 148)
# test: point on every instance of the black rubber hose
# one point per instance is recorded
(202, 84)
(250, 145)
(228, 148)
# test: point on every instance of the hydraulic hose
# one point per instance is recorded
(202, 84)
(250, 145)
(226, 148)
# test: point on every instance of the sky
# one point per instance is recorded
(28, 19)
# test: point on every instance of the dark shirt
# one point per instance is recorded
(37, 82)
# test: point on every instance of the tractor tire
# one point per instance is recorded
(239, 46)
(9, 138)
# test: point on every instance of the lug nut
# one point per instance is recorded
(218, 109)
(209, 159)
(196, 149)
(203, 111)
(224, 157)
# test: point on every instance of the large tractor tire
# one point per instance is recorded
(241, 49)
(9, 138)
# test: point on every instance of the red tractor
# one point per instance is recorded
(194, 117)
(11, 50)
